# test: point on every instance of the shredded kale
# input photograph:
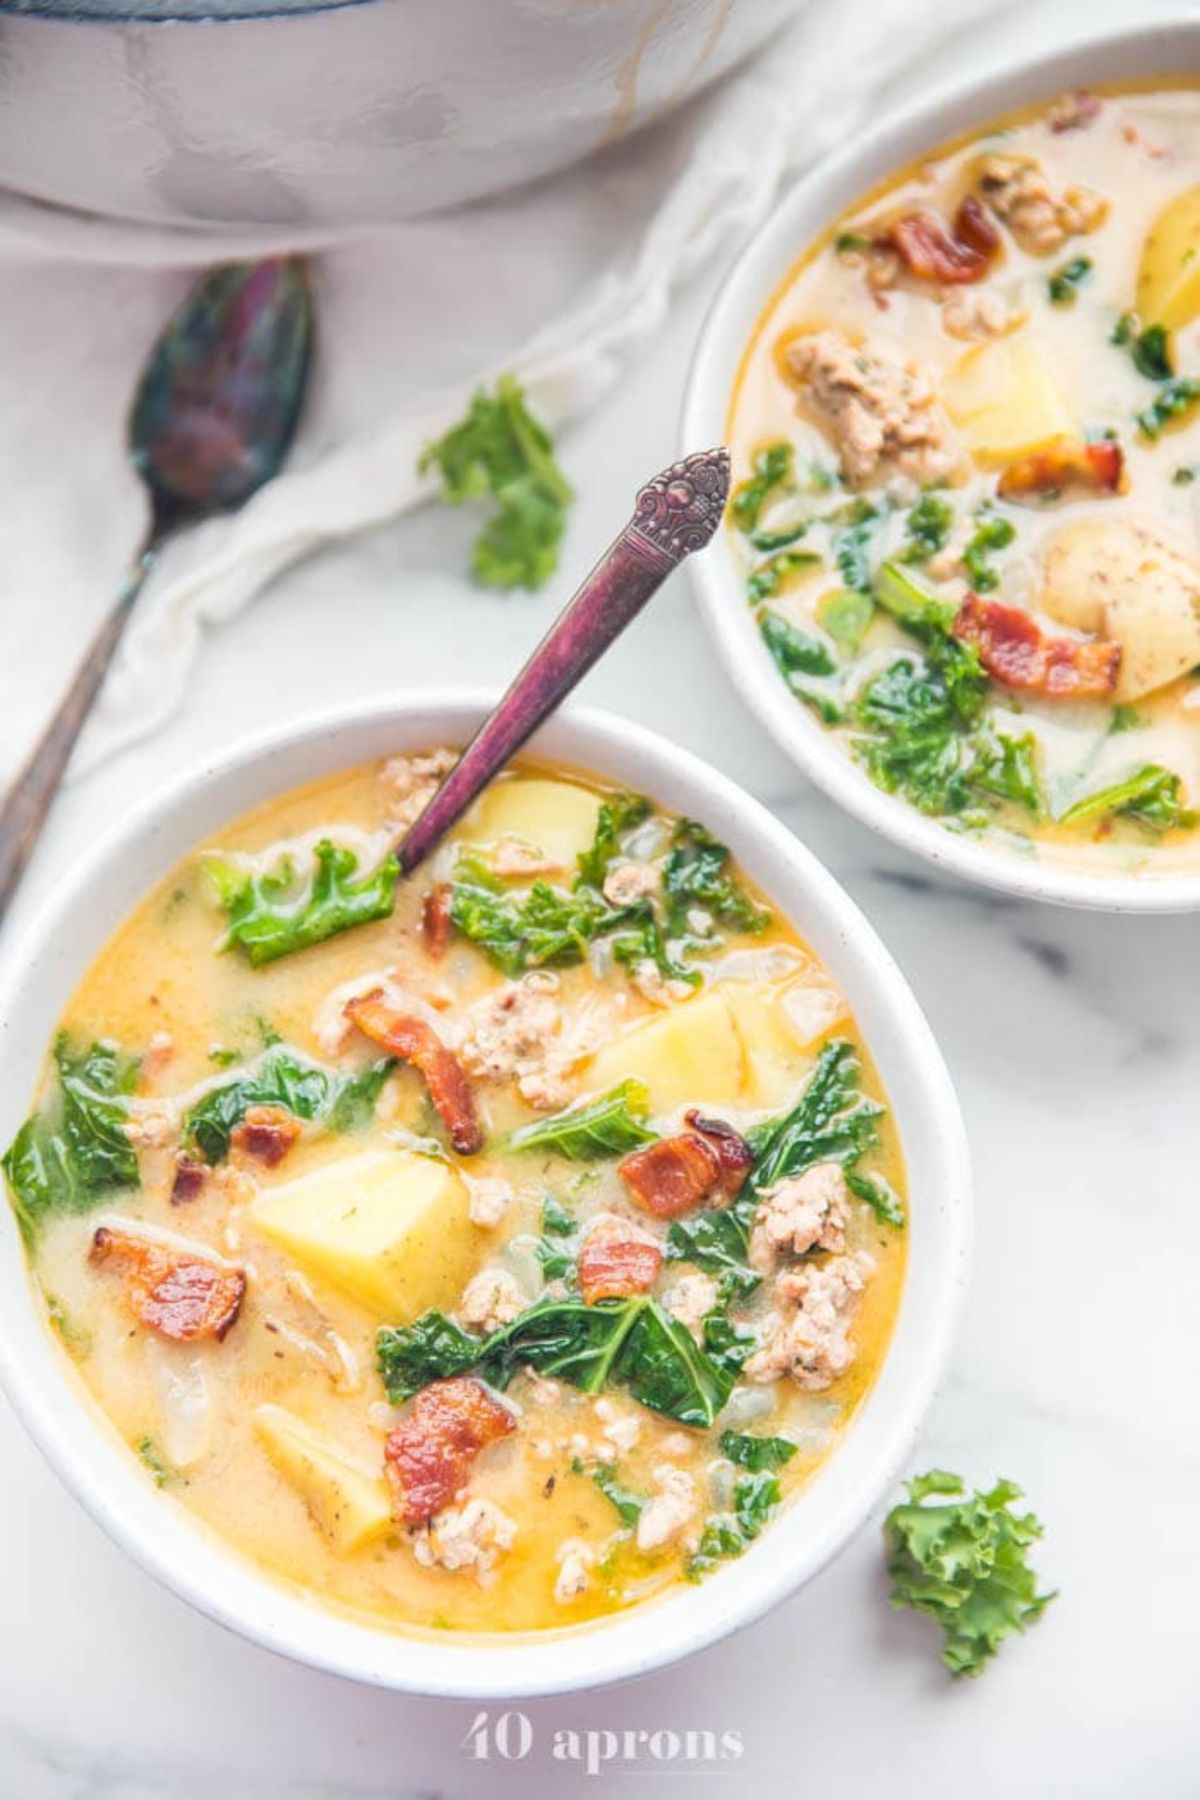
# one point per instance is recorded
(546, 925)
(755, 1497)
(796, 655)
(771, 473)
(75, 1148)
(631, 1343)
(161, 1471)
(769, 576)
(1064, 284)
(717, 1240)
(991, 533)
(1173, 400)
(927, 528)
(556, 1257)
(551, 925)
(963, 1561)
(619, 814)
(851, 547)
(697, 873)
(922, 720)
(756, 1453)
(610, 1126)
(284, 1077)
(1152, 795)
(628, 1504)
(269, 918)
(833, 1121)
(499, 453)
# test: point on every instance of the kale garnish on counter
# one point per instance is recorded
(270, 915)
(500, 453)
(74, 1150)
(963, 1560)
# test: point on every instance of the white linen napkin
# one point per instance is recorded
(561, 282)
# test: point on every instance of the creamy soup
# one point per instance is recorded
(487, 1251)
(968, 436)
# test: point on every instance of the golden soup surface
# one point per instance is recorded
(508, 1381)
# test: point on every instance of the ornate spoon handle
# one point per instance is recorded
(675, 513)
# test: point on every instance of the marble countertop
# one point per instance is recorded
(1074, 1048)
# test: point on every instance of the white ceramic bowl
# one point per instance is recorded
(1173, 49)
(36, 979)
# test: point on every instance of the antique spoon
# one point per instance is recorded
(212, 419)
(675, 513)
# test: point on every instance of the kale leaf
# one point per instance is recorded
(610, 1126)
(1152, 795)
(964, 1562)
(697, 873)
(628, 1504)
(991, 533)
(768, 577)
(771, 472)
(1172, 401)
(1064, 283)
(500, 453)
(74, 1149)
(284, 1077)
(924, 733)
(796, 655)
(546, 925)
(268, 918)
(833, 1121)
(717, 1240)
(757, 1453)
(755, 1496)
(926, 528)
(626, 1343)
(619, 814)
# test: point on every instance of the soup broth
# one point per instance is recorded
(968, 431)
(486, 1251)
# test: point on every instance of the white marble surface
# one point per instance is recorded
(1074, 1045)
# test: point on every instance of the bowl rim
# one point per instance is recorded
(197, 1565)
(834, 182)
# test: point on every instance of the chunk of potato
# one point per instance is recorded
(556, 817)
(1117, 579)
(388, 1227)
(1006, 400)
(350, 1506)
(777, 1026)
(691, 1054)
(1168, 284)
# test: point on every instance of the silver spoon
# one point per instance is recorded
(212, 419)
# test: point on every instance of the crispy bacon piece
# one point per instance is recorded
(178, 1293)
(734, 1153)
(678, 1173)
(416, 1042)
(1065, 468)
(617, 1260)
(266, 1133)
(435, 919)
(190, 1176)
(1016, 652)
(428, 1456)
(933, 251)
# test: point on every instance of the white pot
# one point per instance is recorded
(36, 980)
(1172, 48)
(330, 114)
